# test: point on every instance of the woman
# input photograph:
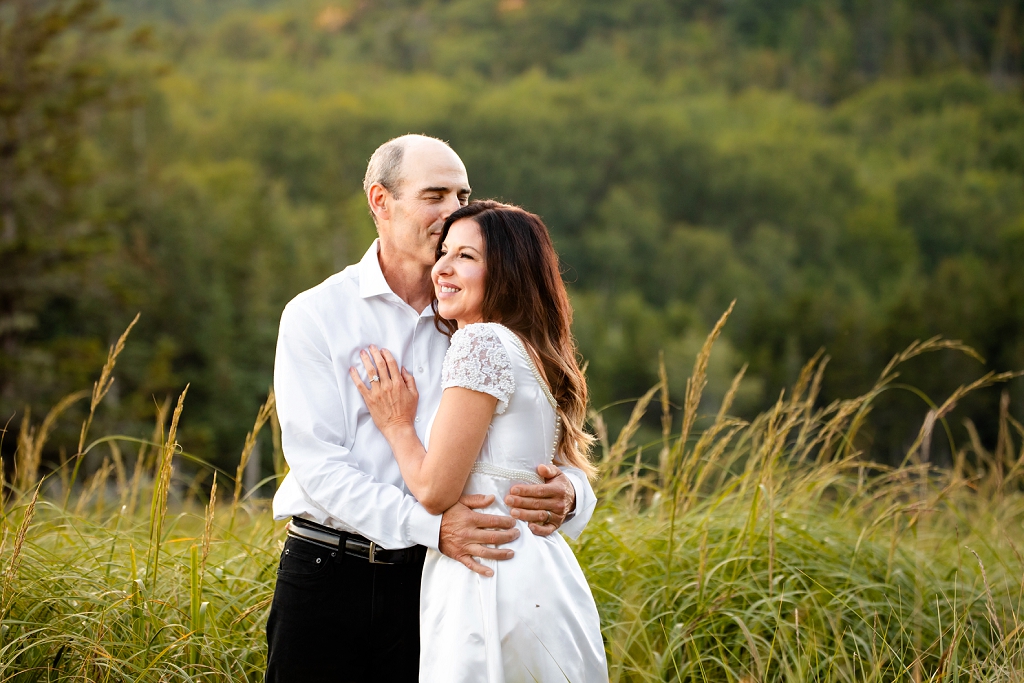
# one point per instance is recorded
(513, 398)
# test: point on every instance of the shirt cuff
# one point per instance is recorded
(424, 528)
(586, 501)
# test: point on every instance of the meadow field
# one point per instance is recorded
(771, 549)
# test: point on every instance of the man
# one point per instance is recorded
(346, 605)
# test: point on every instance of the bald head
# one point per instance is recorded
(386, 165)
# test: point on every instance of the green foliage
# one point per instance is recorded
(850, 173)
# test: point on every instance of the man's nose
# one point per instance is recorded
(451, 205)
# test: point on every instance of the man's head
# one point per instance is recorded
(412, 184)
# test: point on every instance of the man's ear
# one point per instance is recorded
(380, 202)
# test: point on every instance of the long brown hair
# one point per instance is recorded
(523, 291)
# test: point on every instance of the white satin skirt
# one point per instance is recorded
(534, 620)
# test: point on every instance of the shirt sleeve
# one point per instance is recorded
(477, 360)
(586, 501)
(313, 433)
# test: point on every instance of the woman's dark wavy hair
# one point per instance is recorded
(523, 290)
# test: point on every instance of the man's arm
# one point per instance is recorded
(566, 500)
(311, 411)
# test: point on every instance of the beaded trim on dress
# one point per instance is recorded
(506, 473)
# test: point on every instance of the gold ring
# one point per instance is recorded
(548, 520)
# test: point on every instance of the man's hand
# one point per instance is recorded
(545, 506)
(465, 533)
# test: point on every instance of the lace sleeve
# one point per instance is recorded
(477, 360)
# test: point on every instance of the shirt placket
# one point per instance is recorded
(418, 365)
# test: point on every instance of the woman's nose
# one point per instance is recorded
(443, 266)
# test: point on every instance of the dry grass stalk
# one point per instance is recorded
(618, 449)
(600, 428)
(666, 413)
(31, 441)
(262, 604)
(806, 375)
(120, 474)
(807, 422)
(266, 410)
(990, 602)
(161, 489)
(26, 439)
(836, 427)
(1004, 443)
(917, 348)
(106, 380)
(211, 510)
(720, 424)
(699, 378)
(96, 481)
(19, 542)
(986, 380)
(635, 479)
(141, 459)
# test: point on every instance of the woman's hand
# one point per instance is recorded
(391, 395)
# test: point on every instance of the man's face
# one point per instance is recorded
(434, 184)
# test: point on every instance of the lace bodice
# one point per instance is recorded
(477, 360)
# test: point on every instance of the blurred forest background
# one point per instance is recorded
(850, 171)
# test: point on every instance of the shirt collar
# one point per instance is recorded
(371, 277)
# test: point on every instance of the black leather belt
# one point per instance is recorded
(354, 544)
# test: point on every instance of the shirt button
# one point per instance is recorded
(417, 419)
(419, 369)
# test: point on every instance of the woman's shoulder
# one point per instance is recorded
(483, 334)
(478, 359)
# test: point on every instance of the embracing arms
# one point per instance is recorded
(564, 501)
(327, 480)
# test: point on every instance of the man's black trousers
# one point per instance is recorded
(336, 618)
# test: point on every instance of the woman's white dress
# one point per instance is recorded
(535, 619)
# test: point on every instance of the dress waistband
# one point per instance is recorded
(506, 473)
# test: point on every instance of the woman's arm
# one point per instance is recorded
(436, 477)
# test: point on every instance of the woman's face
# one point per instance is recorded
(460, 272)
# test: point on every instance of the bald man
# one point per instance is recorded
(346, 604)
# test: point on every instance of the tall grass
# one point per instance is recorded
(723, 550)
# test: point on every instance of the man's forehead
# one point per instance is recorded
(433, 166)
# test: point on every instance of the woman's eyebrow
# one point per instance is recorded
(460, 246)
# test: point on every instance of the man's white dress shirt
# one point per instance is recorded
(342, 472)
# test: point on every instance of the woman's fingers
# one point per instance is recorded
(368, 366)
(362, 388)
(382, 368)
(410, 381)
(390, 363)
